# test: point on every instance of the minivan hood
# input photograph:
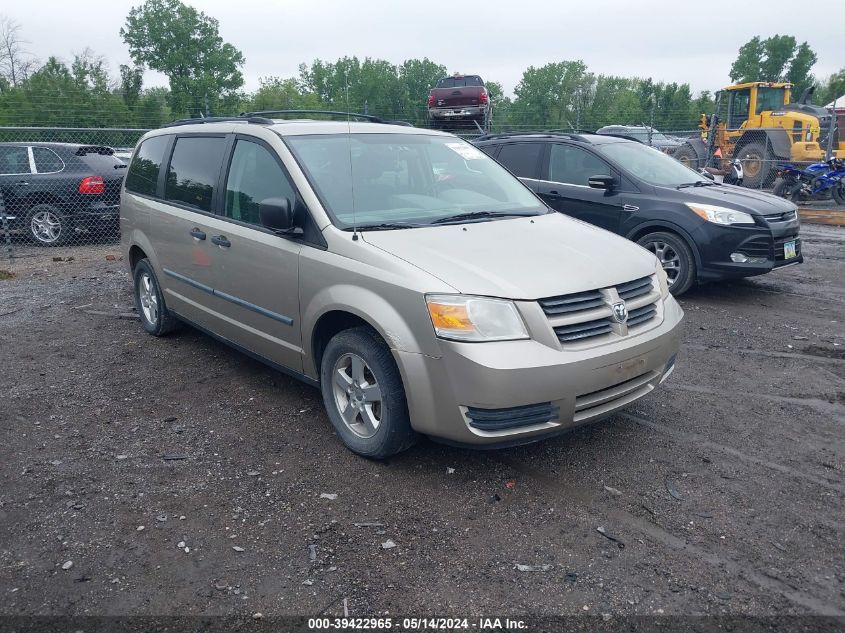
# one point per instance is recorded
(521, 258)
(739, 198)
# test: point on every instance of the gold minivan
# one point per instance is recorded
(422, 287)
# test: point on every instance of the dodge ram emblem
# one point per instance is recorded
(620, 312)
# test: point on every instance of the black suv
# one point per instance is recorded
(699, 229)
(53, 190)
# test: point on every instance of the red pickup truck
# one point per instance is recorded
(459, 99)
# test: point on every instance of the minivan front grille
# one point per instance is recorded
(587, 329)
(572, 303)
(642, 315)
(587, 315)
(634, 289)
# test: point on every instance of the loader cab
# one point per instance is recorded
(738, 103)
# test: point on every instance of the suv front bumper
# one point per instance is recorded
(457, 113)
(512, 392)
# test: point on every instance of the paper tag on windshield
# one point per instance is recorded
(465, 151)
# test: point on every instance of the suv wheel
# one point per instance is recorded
(155, 317)
(46, 225)
(675, 257)
(363, 394)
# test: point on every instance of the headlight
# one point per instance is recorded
(720, 215)
(662, 280)
(464, 318)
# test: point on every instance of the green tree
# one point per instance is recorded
(185, 44)
(276, 93)
(831, 89)
(777, 58)
(131, 81)
(548, 96)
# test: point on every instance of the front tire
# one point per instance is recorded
(149, 301)
(686, 155)
(363, 394)
(676, 258)
(757, 163)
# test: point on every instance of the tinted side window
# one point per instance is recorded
(573, 165)
(254, 175)
(521, 158)
(193, 171)
(14, 160)
(490, 150)
(46, 160)
(146, 164)
(102, 163)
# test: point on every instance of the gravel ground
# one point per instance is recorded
(175, 476)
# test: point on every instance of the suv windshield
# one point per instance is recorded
(412, 179)
(650, 165)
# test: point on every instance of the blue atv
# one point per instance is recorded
(819, 181)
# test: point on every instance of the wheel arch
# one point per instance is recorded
(778, 140)
(338, 307)
(661, 225)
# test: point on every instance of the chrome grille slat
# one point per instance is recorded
(635, 288)
(641, 315)
(572, 303)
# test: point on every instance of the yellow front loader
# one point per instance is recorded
(757, 123)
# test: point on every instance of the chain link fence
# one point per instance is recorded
(61, 186)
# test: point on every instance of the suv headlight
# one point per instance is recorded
(477, 319)
(720, 215)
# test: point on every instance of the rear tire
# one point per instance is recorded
(364, 396)
(149, 301)
(675, 256)
(839, 193)
(46, 226)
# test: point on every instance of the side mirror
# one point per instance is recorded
(276, 214)
(706, 174)
(602, 182)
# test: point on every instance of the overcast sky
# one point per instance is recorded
(669, 40)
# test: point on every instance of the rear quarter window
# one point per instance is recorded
(47, 161)
(102, 164)
(146, 164)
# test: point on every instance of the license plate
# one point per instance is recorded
(789, 250)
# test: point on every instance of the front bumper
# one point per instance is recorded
(460, 397)
(763, 243)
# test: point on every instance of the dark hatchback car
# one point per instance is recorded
(700, 230)
(54, 191)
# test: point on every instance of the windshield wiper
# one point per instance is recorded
(384, 226)
(697, 183)
(474, 215)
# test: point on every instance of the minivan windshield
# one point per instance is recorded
(650, 165)
(396, 180)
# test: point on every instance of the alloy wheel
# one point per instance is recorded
(357, 395)
(46, 227)
(669, 259)
(148, 297)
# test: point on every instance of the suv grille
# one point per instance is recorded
(757, 247)
(587, 315)
(780, 217)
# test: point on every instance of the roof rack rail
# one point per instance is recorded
(220, 119)
(264, 113)
(573, 135)
(355, 115)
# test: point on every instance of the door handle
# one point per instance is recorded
(630, 207)
(220, 240)
(22, 182)
(554, 193)
(196, 233)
